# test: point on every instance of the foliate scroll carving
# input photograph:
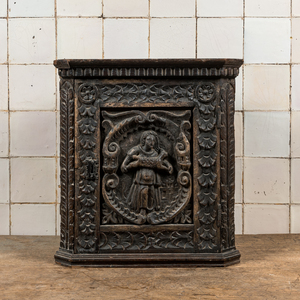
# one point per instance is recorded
(88, 167)
(145, 93)
(144, 241)
(146, 162)
(207, 141)
(227, 164)
(67, 164)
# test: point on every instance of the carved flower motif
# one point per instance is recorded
(87, 93)
(205, 92)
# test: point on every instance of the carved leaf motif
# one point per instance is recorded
(141, 93)
(207, 122)
(87, 186)
(206, 108)
(87, 125)
(87, 227)
(207, 178)
(87, 141)
(207, 140)
(207, 197)
(173, 240)
(110, 216)
(207, 214)
(207, 158)
(87, 110)
(88, 242)
(87, 200)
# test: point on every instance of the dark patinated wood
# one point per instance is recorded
(147, 162)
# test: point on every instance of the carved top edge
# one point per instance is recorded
(148, 67)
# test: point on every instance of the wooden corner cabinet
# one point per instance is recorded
(147, 162)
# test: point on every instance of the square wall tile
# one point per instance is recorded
(295, 87)
(295, 175)
(3, 39)
(79, 8)
(266, 180)
(32, 40)
(125, 8)
(172, 38)
(125, 38)
(79, 38)
(31, 8)
(296, 40)
(33, 180)
(172, 8)
(220, 38)
(296, 7)
(3, 134)
(266, 219)
(3, 8)
(220, 8)
(238, 218)
(4, 180)
(295, 134)
(3, 88)
(267, 134)
(295, 219)
(4, 219)
(33, 219)
(267, 40)
(263, 8)
(267, 87)
(33, 133)
(238, 131)
(32, 87)
(239, 90)
(239, 180)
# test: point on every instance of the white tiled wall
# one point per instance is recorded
(266, 34)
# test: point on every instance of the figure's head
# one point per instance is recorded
(149, 139)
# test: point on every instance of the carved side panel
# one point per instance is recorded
(87, 171)
(205, 159)
(227, 163)
(67, 164)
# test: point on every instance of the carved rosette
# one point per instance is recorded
(227, 163)
(88, 167)
(205, 93)
(130, 122)
(67, 164)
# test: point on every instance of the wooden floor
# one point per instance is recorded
(269, 269)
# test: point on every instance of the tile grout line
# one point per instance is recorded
(56, 123)
(290, 110)
(8, 115)
(243, 120)
(149, 24)
(196, 33)
(102, 5)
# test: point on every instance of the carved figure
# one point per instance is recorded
(147, 158)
